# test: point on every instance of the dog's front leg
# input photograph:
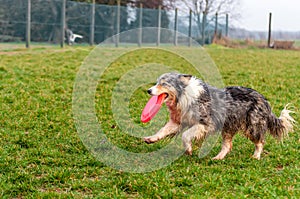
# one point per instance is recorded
(169, 129)
(197, 131)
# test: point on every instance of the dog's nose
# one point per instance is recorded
(149, 91)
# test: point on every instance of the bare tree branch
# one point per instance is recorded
(211, 6)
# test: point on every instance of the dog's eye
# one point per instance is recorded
(164, 84)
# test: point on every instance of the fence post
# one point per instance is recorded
(118, 22)
(203, 28)
(158, 25)
(227, 21)
(140, 37)
(63, 23)
(176, 27)
(28, 24)
(216, 25)
(92, 28)
(270, 27)
(190, 28)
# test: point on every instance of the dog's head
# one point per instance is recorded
(171, 84)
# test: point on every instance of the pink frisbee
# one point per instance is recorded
(152, 107)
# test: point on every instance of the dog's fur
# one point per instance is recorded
(203, 109)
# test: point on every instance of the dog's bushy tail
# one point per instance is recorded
(280, 127)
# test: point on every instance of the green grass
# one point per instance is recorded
(41, 154)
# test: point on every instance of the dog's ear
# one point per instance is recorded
(185, 78)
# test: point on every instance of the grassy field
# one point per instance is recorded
(41, 154)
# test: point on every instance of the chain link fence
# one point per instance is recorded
(61, 21)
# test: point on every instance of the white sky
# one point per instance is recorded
(285, 14)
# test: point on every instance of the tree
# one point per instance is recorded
(150, 12)
(106, 2)
(211, 7)
(148, 17)
(154, 4)
(105, 17)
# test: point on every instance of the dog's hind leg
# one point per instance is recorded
(195, 132)
(169, 129)
(259, 140)
(226, 146)
(256, 133)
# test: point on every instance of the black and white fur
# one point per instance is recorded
(203, 109)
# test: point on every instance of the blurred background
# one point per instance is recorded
(226, 22)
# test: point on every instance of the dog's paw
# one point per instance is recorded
(257, 157)
(150, 139)
(189, 152)
(218, 157)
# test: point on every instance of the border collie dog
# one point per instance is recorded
(201, 109)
